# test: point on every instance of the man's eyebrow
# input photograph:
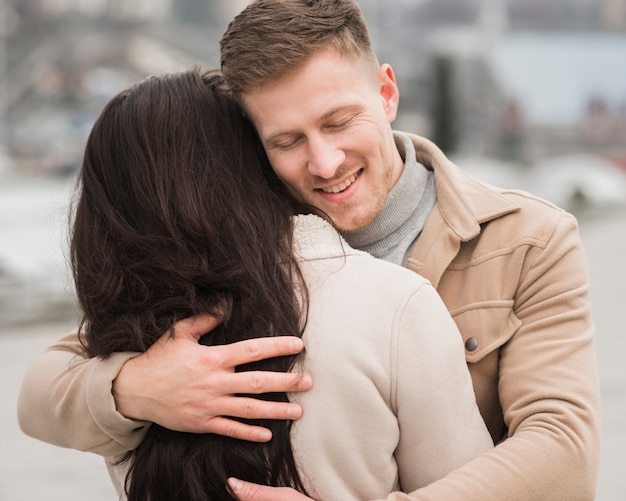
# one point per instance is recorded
(340, 109)
(277, 136)
(343, 108)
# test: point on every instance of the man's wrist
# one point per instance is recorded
(123, 395)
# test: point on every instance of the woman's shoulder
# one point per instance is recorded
(327, 260)
(315, 238)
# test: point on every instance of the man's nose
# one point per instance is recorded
(325, 157)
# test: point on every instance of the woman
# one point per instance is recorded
(179, 214)
(164, 229)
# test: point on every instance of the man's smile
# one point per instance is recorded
(338, 188)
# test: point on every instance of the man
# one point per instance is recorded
(509, 267)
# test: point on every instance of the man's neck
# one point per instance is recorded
(392, 235)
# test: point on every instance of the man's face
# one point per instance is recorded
(327, 132)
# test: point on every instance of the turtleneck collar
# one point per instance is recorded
(404, 212)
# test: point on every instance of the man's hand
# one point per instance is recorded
(185, 386)
(245, 491)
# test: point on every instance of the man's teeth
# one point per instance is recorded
(342, 186)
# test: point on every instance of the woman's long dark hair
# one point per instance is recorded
(179, 213)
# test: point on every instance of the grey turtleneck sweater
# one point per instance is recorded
(393, 234)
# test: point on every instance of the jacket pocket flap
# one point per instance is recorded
(485, 327)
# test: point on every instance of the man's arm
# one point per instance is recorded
(548, 385)
(65, 399)
(105, 406)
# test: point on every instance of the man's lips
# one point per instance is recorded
(338, 188)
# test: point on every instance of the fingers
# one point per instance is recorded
(246, 491)
(236, 407)
(257, 382)
(253, 408)
(196, 327)
(235, 429)
(253, 350)
(197, 389)
(242, 352)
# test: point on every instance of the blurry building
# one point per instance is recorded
(613, 15)
(137, 9)
(571, 87)
(460, 65)
(66, 58)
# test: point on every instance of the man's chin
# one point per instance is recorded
(344, 219)
(352, 226)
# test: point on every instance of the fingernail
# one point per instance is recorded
(294, 412)
(305, 381)
(296, 345)
(235, 484)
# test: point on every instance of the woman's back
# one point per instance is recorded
(392, 406)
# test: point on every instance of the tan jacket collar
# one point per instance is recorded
(464, 202)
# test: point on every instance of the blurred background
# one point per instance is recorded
(522, 93)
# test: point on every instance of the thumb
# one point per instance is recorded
(193, 328)
(246, 491)
(243, 491)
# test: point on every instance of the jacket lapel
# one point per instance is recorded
(463, 204)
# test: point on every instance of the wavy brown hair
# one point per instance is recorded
(179, 213)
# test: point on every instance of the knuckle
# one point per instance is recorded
(249, 409)
(210, 358)
(253, 348)
(252, 491)
(230, 430)
(210, 387)
(279, 412)
(294, 382)
(255, 383)
(251, 435)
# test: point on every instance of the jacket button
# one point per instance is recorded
(471, 344)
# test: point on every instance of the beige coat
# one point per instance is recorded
(511, 270)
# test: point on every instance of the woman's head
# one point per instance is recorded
(179, 213)
(175, 212)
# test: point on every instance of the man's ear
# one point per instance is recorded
(389, 92)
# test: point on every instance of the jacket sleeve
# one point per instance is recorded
(65, 399)
(548, 389)
(440, 425)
